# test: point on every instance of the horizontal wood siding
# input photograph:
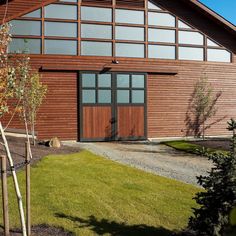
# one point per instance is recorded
(169, 99)
(130, 121)
(168, 95)
(58, 114)
(96, 122)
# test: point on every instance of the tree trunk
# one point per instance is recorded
(234, 144)
(203, 130)
(17, 189)
(33, 130)
(27, 133)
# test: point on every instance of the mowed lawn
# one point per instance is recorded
(89, 195)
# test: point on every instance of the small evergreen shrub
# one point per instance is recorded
(219, 197)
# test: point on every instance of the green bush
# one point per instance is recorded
(219, 198)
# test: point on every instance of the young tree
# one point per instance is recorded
(219, 197)
(7, 74)
(33, 97)
(201, 107)
(7, 92)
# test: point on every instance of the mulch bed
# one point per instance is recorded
(43, 230)
(223, 144)
(17, 148)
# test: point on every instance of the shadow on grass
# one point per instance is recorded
(105, 226)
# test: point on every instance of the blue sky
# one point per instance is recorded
(225, 8)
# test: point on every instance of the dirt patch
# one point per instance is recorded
(17, 147)
(43, 230)
(223, 144)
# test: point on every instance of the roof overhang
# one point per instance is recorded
(212, 15)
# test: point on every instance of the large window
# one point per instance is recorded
(34, 14)
(161, 19)
(194, 38)
(96, 31)
(161, 35)
(129, 50)
(61, 11)
(96, 88)
(190, 53)
(72, 27)
(161, 52)
(29, 46)
(129, 16)
(130, 88)
(218, 55)
(182, 25)
(96, 14)
(90, 48)
(126, 88)
(130, 33)
(66, 47)
(212, 44)
(60, 29)
(153, 6)
(24, 27)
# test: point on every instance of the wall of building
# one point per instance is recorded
(58, 113)
(169, 99)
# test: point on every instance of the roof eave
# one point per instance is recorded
(212, 15)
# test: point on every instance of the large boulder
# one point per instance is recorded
(55, 143)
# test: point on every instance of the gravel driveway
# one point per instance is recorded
(155, 158)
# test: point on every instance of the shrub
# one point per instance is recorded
(219, 197)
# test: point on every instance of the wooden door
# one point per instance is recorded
(130, 106)
(112, 106)
(95, 106)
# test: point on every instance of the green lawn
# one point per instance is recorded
(192, 148)
(89, 195)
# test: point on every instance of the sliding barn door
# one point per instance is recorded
(96, 106)
(130, 106)
(112, 106)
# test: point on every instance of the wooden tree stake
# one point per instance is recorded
(27, 158)
(15, 180)
(5, 195)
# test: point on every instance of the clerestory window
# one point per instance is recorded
(123, 29)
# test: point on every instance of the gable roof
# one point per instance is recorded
(212, 14)
(191, 11)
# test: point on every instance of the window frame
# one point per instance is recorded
(113, 24)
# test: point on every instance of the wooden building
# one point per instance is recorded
(124, 69)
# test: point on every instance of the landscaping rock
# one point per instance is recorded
(55, 143)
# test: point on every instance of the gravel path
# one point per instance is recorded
(155, 158)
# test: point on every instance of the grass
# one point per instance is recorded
(192, 148)
(89, 195)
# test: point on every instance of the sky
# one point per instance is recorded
(225, 8)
